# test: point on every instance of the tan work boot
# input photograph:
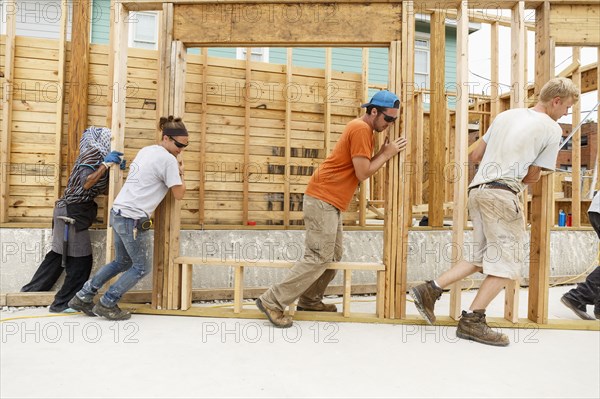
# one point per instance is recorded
(425, 296)
(275, 316)
(472, 326)
(319, 307)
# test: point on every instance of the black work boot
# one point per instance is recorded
(113, 313)
(425, 296)
(472, 326)
(79, 305)
(578, 308)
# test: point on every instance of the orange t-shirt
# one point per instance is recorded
(335, 180)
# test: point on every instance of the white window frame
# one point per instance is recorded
(133, 30)
(425, 37)
(260, 54)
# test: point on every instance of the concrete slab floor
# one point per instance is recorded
(149, 356)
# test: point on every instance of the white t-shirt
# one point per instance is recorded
(515, 140)
(153, 171)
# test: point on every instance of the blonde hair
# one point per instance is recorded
(559, 87)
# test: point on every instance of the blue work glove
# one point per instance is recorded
(123, 164)
(113, 157)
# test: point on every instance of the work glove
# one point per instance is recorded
(123, 164)
(113, 157)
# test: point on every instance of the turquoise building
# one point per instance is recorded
(42, 19)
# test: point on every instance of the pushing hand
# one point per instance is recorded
(113, 157)
(393, 147)
(400, 143)
(181, 167)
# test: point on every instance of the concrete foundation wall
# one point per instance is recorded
(22, 250)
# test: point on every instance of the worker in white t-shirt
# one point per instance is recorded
(155, 170)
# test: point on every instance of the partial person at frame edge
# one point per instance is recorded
(587, 292)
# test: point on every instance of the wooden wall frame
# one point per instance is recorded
(180, 31)
(7, 98)
(79, 78)
(185, 24)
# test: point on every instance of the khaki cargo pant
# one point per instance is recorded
(309, 278)
(498, 232)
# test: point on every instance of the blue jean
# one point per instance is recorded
(131, 259)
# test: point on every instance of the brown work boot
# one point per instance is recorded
(319, 307)
(275, 316)
(425, 296)
(472, 326)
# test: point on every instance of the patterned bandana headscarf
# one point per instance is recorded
(93, 147)
(94, 140)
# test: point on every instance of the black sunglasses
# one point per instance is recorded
(178, 144)
(387, 118)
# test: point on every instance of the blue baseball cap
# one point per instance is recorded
(384, 99)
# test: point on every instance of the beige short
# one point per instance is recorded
(498, 232)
